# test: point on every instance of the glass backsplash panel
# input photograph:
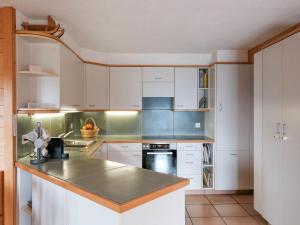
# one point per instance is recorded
(157, 122)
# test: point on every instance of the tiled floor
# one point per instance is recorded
(221, 210)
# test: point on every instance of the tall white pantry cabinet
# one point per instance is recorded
(277, 132)
(233, 129)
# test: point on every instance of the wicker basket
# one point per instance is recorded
(90, 133)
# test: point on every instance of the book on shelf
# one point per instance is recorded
(203, 102)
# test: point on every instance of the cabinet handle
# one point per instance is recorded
(136, 106)
(92, 105)
(75, 105)
(190, 154)
(136, 155)
(189, 146)
(220, 107)
(180, 106)
(284, 135)
(277, 134)
(124, 146)
(158, 78)
(191, 178)
(234, 154)
(189, 162)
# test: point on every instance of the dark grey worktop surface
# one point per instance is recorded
(114, 181)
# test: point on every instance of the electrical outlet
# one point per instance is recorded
(197, 125)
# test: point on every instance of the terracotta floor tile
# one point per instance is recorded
(208, 221)
(250, 210)
(243, 199)
(240, 221)
(260, 220)
(201, 211)
(196, 199)
(221, 199)
(188, 221)
(231, 210)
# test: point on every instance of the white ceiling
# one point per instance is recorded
(166, 26)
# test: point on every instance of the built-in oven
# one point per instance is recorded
(160, 157)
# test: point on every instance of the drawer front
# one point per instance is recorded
(189, 146)
(189, 162)
(133, 158)
(154, 89)
(195, 181)
(158, 74)
(120, 147)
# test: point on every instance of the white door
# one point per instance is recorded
(272, 145)
(71, 80)
(96, 87)
(233, 107)
(186, 84)
(291, 146)
(125, 88)
(232, 170)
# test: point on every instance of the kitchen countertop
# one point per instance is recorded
(114, 185)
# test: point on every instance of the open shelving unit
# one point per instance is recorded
(38, 90)
(203, 89)
(208, 166)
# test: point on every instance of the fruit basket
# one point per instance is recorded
(89, 128)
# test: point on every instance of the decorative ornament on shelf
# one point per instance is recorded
(51, 28)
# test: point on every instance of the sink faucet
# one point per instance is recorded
(65, 135)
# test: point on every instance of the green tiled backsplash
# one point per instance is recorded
(147, 122)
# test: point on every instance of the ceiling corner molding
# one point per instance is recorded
(275, 39)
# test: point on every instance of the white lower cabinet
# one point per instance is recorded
(232, 170)
(126, 153)
(189, 164)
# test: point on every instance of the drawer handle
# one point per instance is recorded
(190, 154)
(124, 146)
(189, 146)
(92, 105)
(189, 162)
(136, 106)
(136, 155)
(179, 105)
(75, 105)
(234, 154)
(158, 78)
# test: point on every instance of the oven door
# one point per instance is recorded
(163, 161)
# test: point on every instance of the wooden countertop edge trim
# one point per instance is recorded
(120, 208)
(51, 37)
(273, 40)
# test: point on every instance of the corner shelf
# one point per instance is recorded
(38, 73)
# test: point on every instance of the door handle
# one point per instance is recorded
(277, 134)
(220, 107)
(284, 135)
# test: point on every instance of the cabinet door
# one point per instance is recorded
(158, 74)
(232, 170)
(133, 158)
(272, 144)
(125, 88)
(233, 107)
(96, 87)
(71, 80)
(48, 203)
(291, 146)
(186, 88)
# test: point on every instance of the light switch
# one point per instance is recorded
(197, 125)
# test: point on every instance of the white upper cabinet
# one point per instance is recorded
(96, 87)
(158, 74)
(186, 88)
(72, 80)
(233, 107)
(125, 88)
(158, 82)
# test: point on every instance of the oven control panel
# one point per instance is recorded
(159, 146)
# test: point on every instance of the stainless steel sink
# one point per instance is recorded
(78, 143)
